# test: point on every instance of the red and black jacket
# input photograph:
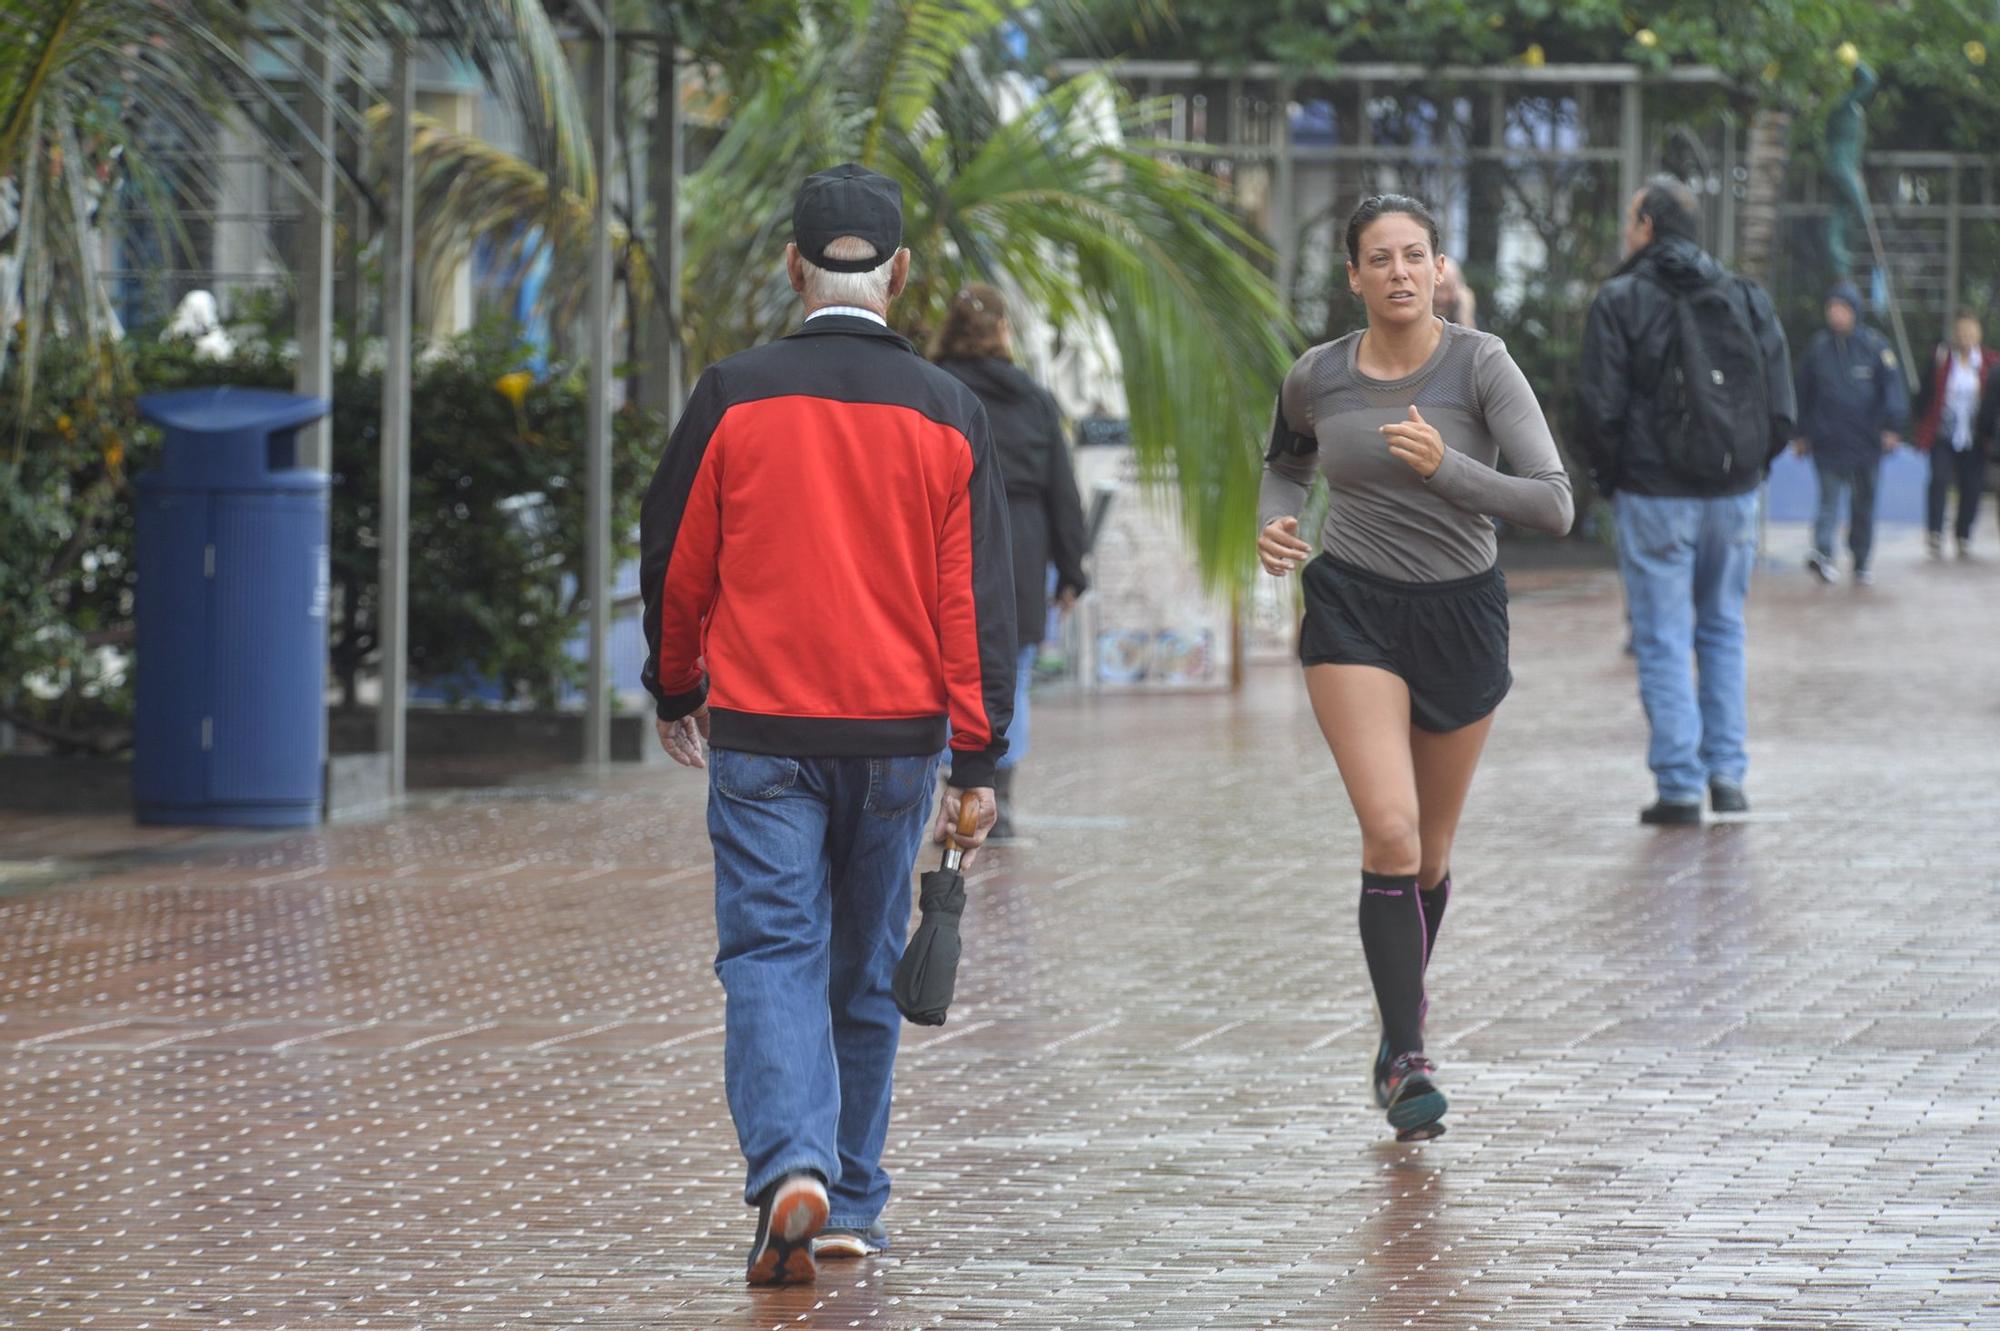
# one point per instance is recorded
(824, 556)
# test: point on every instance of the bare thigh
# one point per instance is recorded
(1444, 767)
(1364, 712)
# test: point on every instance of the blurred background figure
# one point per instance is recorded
(1043, 507)
(1851, 408)
(1948, 416)
(1452, 299)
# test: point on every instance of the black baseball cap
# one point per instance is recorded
(848, 200)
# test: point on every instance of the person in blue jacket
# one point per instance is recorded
(1852, 401)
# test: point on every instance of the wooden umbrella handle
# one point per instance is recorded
(968, 823)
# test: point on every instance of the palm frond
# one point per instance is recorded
(467, 192)
(88, 88)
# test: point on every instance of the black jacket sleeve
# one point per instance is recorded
(1893, 388)
(1067, 534)
(1780, 396)
(679, 540)
(976, 615)
(1604, 392)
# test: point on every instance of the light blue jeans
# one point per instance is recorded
(1017, 729)
(812, 908)
(1686, 565)
(1858, 481)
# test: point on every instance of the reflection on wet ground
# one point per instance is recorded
(463, 1068)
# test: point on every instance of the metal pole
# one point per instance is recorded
(660, 377)
(1284, 216)
(1725, 248)
(1889, 286)
(393, 602)
(1952, 252)
(597, 485)
(1632, 140)
(314, 328)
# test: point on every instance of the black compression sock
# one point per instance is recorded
(1392, 938)
(1433, 902)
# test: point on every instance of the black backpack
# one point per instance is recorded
(1713, 406)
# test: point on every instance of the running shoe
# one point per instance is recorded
(790, 1212)
(1822, 567)
(1379, 1074)
(850, 1241)
(1416, 1106)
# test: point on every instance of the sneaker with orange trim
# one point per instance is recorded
(789, 1214)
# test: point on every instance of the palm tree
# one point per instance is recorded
(1061, 200)
(86, 87)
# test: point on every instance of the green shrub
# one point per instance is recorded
(497, 522)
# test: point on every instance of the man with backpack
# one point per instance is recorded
(1685, 398)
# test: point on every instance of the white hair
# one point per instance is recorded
(869, 289)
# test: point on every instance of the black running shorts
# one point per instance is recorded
(1446, 640)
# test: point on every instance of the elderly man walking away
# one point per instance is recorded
(1685, 400)
(1852, 400)
(828, 586)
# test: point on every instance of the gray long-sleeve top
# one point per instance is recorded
(1384, 517)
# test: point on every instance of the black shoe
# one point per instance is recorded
(1416, 1106)
(1725, 798)
(789, 1213)
(1671, 813)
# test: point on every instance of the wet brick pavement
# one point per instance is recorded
(463, 1068)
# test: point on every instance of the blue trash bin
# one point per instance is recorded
(231, 614)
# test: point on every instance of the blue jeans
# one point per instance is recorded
(1686, 565)
(812, 908)
(1859, 478)
(1017, 729)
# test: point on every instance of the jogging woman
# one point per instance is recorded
(1405, 635)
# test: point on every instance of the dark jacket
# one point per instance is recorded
(1629, 347)
(1850, 390)
(1930, 400)
(1045, 513)
(824, 556)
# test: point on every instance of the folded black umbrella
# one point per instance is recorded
(929, 968)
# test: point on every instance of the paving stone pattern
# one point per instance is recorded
(463, 1068)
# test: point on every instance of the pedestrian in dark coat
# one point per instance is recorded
(1045, 513)
(1852, 404)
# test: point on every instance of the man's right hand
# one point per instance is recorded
(1279, 548)
(1801, 446)
(947, 820)
(683, 739)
